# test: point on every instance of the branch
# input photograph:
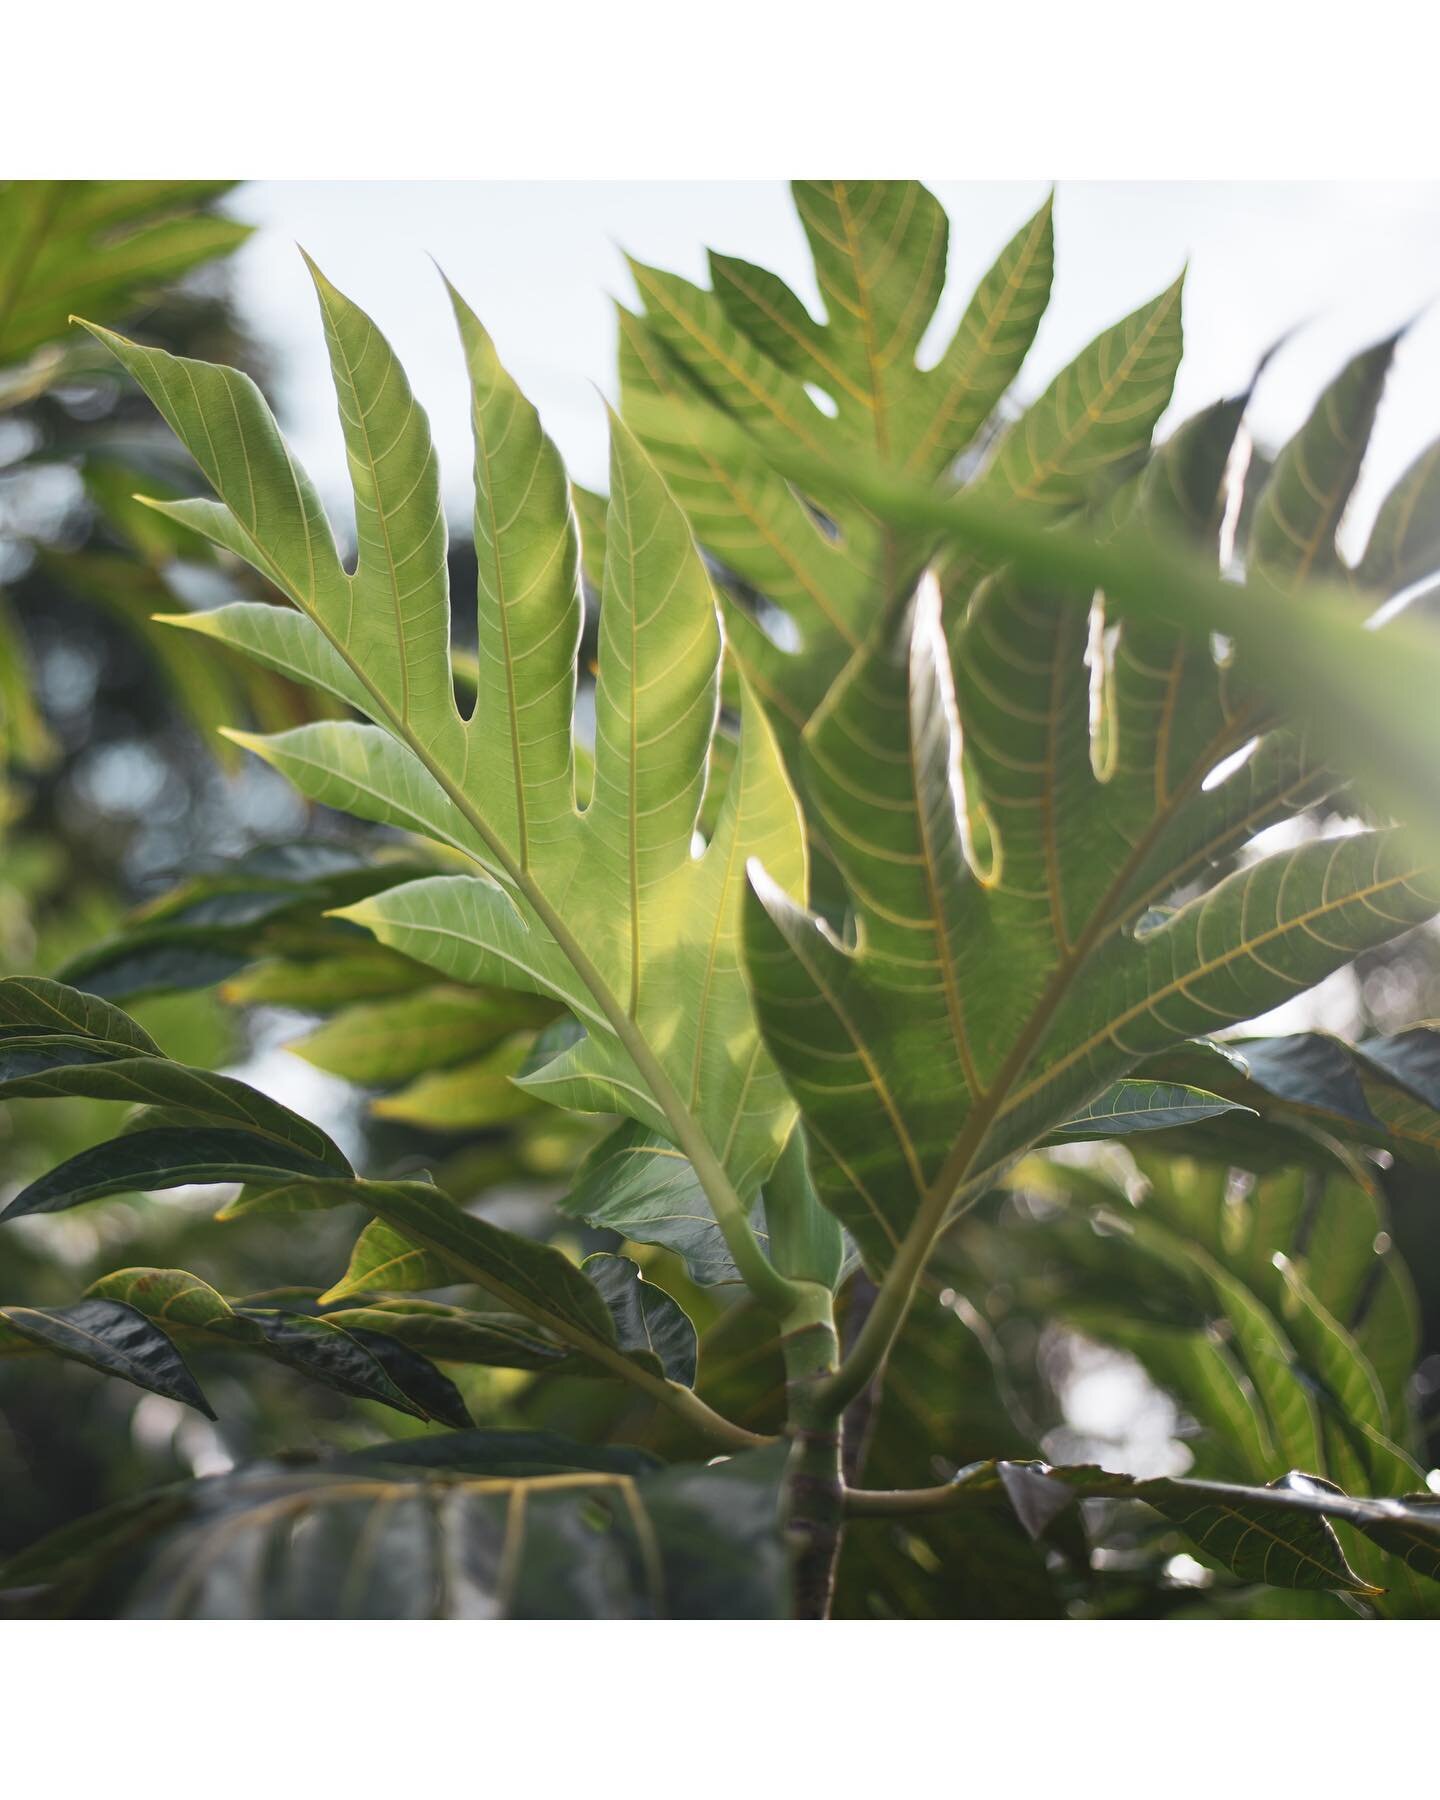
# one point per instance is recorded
(704, 1419)
(895, 1503)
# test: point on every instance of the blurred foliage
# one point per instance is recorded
(1270, 1320)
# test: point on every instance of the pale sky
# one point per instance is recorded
(541, 261)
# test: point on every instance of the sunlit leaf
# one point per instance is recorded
(647, 932)
(394, 1040)
(749, 349)
(971, 1018)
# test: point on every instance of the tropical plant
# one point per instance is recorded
(843, 917)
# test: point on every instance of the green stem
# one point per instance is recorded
(814, 1488)
(895, 1503)
(892, 1306)
(689, 1407)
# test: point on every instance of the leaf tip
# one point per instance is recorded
(359, 912)
(102, 333)
(761, 881)
(247, 740)
(644, 275)
(323, 284)
(465, 315)
(771, 894)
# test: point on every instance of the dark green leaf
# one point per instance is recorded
(454, 1334)
(64, 1066)
(1404, 544)
(113, 1338)
(648, 1322)
(506, 1454)
(163, 1159)
(132, 967)
(435, 1395)
(460, 1536)
(325, 1351)
(30, 1006)
(938, 1405)
(1384, 1092)
(1132, 1106)
(637, 1183)
(1277, 1534)
(178, 1300)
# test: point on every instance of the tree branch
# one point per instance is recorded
(895, 1503)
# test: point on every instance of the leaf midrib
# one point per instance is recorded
(487, 486)
(985, 338)
(1208, 968)
(878, 402)
(1092, 413)
(362, 420)
(724, 478)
